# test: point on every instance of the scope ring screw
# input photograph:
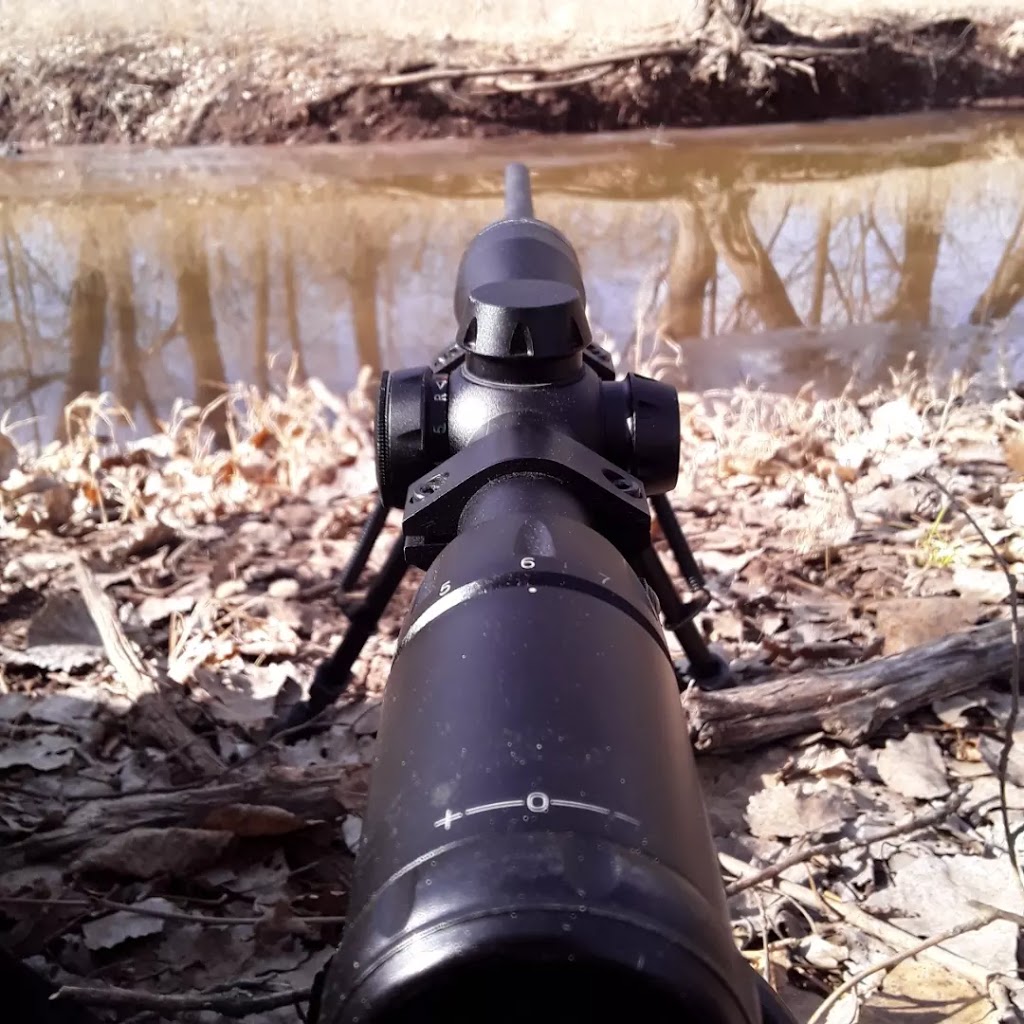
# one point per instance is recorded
(621, 482)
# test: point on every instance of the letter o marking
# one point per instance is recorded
(538, 803)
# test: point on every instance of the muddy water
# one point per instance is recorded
(778, 256)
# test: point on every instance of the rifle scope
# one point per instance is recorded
(535, 847)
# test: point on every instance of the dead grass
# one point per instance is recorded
(280, 444)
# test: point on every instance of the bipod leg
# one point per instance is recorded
(688, 567)
(708, 669)
(371, 531)
(333, 673)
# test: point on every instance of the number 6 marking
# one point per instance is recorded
(529, 562)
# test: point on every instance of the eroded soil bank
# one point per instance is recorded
(728, 63)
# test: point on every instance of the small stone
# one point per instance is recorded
(230, 588)
(989, 586)
(284, 589)
(352, 831)
(896, 421)
(904, 465)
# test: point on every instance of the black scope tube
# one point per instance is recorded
(535, 845)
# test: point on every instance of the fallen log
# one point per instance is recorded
(850, 704)
(314, 794)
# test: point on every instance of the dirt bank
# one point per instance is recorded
(715, 63)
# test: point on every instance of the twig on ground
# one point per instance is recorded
(896, 937)
(1011, 718)
(897, 958)
(840, 846)
(155, 715)
(220, 1002)
(166, 915)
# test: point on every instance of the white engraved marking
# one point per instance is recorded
(445, 587)
(605, 579)
(500, 805)
(529, 562)
(537, 802)
(577, 805)
(446, 821)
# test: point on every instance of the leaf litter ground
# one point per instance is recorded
(162, 602)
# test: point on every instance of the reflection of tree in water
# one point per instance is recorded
(1007, 287)
(727, 215)
(363, 284)
(690, 275)
(87, 325)
(132, 382)
(29, 380)
(846, 275)
(291, 305)
(922, 237)
(261, 288)
(197, 323)
(800, 261)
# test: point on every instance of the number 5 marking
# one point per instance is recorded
(445, 587)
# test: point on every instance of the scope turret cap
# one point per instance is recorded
(518, 319)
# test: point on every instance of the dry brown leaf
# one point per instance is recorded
(907, 622)
(149, 852)
(1014, 510)
(158, 609)
(913, 767)
(280, 920)
(1013, 448)
(797, 810)
(253, 820)
(921, 983)
(930, 894)
(905, 464)
(896, 421)
(44, 753)
(61, 637)
(59, 503)
(113, 929)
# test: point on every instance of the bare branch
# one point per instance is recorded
(221, 1002)
(840, 846)
(1011, 719)
(897, 958)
